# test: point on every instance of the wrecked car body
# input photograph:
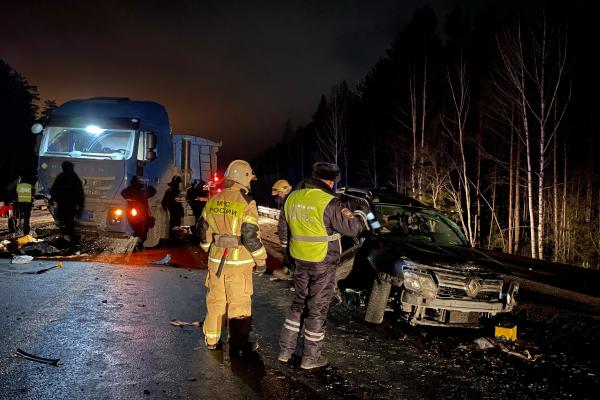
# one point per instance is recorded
(421, 267)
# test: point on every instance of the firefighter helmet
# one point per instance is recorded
(241, 172)
(281, 186)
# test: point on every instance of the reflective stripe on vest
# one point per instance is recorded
(24, 193)
(304, 211)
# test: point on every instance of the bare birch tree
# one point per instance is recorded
(459, 95)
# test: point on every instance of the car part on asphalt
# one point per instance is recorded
(51, 361)
(181, 324)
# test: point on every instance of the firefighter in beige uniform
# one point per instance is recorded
(228, 231)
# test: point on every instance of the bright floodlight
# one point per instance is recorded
(94, 129)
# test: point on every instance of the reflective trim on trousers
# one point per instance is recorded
(313, 336)
(291, 328)
(214, 335)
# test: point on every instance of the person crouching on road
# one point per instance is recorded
(280, 190)
(313, 220)
(228, 231)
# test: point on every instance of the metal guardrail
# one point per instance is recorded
(268, 212)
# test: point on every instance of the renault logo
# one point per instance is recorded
(472, 287)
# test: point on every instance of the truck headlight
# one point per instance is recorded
(115, 215)
(420, 283)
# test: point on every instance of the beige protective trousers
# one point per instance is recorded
(226, 297)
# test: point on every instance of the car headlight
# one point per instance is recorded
(420, 283)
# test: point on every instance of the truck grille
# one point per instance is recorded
(454, 286)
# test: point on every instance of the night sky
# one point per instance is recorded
(229, 71)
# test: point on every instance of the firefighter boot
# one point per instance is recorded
(239, 331)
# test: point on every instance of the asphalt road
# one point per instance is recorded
(109, 326)
(106, 317)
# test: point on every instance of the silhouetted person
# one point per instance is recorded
(10, 197)
(195, 196)
(137, 195)
(67, 192)
(24, 203)
(169, 202)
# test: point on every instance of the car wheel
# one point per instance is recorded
(378, 301)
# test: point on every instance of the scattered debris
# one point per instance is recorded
(525, 355)
(506, 333)
(484, 343)
(23, 240)
(21, 260)
(487, 343)
(105, 301)
(41, 271)
(39, 249)
(146, 392)
(164, 261)
(22, 354)
(181, 324)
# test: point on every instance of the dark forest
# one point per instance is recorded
(491, 118)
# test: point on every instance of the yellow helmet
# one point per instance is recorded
(281, 186)
(241, 172)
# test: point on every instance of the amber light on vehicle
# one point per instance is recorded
(118, 212)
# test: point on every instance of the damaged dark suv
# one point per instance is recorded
(421, 267)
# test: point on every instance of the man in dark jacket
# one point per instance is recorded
(312, 222)
(169, 202)
(196, 197)
(137, 195)
(67, 192)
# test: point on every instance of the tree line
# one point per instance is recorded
(18, 111)
(490, 118)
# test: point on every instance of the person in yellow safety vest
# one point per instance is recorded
(228, 231)
(24, 205)
(280, 190)
(313, 220)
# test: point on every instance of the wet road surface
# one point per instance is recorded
(106, 316)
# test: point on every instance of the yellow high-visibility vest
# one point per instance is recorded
(24, 193)
(304, 211)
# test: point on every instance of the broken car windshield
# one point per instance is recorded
(419, 224)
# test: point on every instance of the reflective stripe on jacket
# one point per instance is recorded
(231, 212)
(304, 211)
(24, 193)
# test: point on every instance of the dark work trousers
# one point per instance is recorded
(314, 291)
(23, 214)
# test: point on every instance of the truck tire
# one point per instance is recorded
(377, 301)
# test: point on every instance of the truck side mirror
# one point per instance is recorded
(37, 128)
(150, 146)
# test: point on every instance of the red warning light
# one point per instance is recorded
(218, 190)
(215, 178)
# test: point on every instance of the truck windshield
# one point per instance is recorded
(90, 142)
